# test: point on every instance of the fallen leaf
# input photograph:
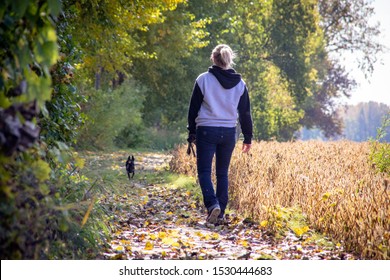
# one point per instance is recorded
(264, 223)
(153, 236)
(163, 254)
(119, 249)
(168, 240)
(149, 245)
(243, 243)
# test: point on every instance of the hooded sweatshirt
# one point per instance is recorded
(219, 98)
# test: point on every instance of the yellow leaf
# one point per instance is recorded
(243, 243)
(325, 196)
(168, 240)
(215, 236)
(153, 236)
(176, 244)
(162, 234)
(149, 245)
(169, 213)
(300, 231)
(119, 249)
(264, 223)
(206, 237)
(163, 254)
(173, 233)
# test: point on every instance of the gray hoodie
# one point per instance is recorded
(219, 98)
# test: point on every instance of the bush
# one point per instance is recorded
(108, 114)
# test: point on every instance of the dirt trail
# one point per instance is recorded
(158, 221)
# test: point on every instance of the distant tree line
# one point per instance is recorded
(360, 123)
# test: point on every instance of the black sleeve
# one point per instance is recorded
(245, 117)
(196, 101)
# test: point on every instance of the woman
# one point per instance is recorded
(219, 97)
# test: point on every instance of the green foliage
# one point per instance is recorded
(28, 39)
(132, 136)
(110, 45)
(43, 210)
(149, 138)
(169, 75)
(110, 114)
(46, 206)
(164, 139)
(28, 50)
(277, 43)
(380, 152)
(62, 117)
(283, 220)
(279, 117)
(295, 41)
(297, 37)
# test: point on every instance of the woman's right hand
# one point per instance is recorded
(246, 147)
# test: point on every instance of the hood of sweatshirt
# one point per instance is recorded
(228, 78)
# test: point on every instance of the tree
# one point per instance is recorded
(169, 74)
(347, 28)
(105, 30)
(28, 50)
(361, 121)
(276, 42)
(284, 50)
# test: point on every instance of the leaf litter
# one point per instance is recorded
(158, 221)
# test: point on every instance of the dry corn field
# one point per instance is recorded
(333, 183)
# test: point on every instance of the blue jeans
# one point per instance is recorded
(218, 141)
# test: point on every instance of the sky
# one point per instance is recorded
(378, 87)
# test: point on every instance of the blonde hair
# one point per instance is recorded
(222, 56)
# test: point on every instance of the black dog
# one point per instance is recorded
(130, 166)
